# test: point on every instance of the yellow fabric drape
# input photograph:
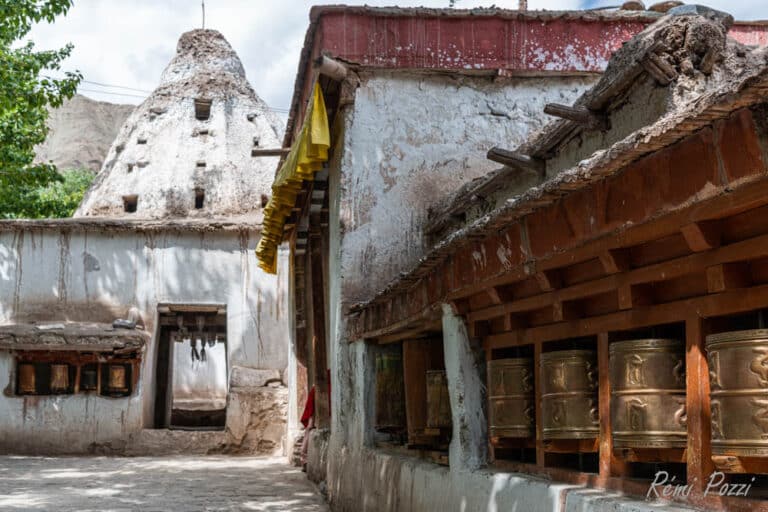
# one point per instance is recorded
(306, 157)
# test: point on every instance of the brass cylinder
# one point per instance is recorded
(647, 380)
(511, 398)
(738, 382)
(88, 379)
(27, 379)
(59, 378)
(117, 380)
(438, 402)
(569, 406)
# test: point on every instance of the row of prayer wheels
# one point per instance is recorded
(59, 380)
(648, 400)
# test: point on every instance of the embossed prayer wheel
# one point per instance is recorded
(648, 393)
(738, 382)
(27, 384)
(438, 402)
(390, 391)
(569, 395)
(117, 381)
(511, 398)
(59, 378)
(88, 379)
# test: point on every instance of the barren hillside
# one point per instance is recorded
(81, 132)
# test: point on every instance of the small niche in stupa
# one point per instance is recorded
(202, 109)
(130, 202)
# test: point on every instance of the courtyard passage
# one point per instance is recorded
(155, 484)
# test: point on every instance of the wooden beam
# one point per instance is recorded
(631, 296)
(549, 280)
(578, 114)
(727, 276)
(270, 151)
(702, 236)
(517, 160)
(662, 72)
(565, 311)
(331, 68)
(615, 260)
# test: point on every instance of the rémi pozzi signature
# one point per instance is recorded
(665, 487)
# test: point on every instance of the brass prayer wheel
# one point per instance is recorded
(88, 379)
(27, 378)
(647, 380)
(569, 395)
(511, 398)
(59, 378)
(438, 402)
(117, 380)
(738, 382)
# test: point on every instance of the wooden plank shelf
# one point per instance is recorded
(737, 464)
(571, 445)
(655, 455)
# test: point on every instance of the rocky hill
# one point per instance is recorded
(81, 132)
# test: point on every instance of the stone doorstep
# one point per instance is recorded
(175, 442)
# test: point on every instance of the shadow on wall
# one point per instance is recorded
(98, 276)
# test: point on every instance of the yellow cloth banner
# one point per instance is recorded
(306, 157)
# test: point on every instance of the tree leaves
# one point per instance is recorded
(25, 94)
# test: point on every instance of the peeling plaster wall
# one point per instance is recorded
(49, 275)
(413, 140)
(401, 149)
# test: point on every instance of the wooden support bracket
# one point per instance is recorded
(727, 276)
(331, 68)
(615, 261)
(517, 160)
(270, 151)
(702, 236)
(581, 115)
(662, 72)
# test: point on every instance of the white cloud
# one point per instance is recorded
(129, 43)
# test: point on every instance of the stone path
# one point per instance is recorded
(155, 484)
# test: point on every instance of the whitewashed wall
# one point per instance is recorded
(410, 142)
(93, 275)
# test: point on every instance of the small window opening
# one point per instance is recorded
(200, 164)
(203, 132)
(255, 142)
(264, 200)
(202, 109)
(130, 167)
(130, 202)
(141, 140)
(199, 198)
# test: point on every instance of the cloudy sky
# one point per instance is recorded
(128, 43)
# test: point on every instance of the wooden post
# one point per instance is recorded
(319, 358)
(609, 464)
(491, 447)
(697, 405)
(540, 456)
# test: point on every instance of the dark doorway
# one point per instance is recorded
(191, 371)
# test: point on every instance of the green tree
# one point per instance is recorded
(59, 198)
(25, 94)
